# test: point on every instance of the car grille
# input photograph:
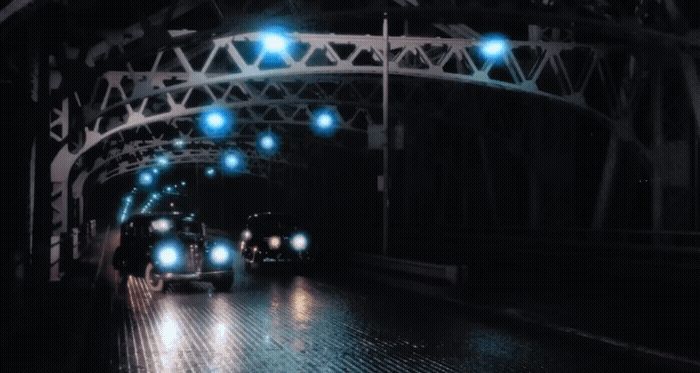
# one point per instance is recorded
(194, 259)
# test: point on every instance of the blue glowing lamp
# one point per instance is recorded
(324, 123)
(267, 143)
(233, 162)
(274, 41)
(146, 178)
(162, 161)
(493, 47)
(217, 123)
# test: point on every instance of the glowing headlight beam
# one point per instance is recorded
(220, 254)
(299, 242)
(274, 242)
(167, 256)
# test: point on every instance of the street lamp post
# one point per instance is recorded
(385, 129)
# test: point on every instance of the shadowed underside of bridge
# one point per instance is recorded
(560, 178)
(282, 90)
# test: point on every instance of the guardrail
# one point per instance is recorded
(453, 274)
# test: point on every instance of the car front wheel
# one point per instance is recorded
(154, 282)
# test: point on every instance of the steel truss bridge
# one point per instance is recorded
(326, 70)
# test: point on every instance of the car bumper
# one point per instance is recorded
(193, 276)
(272, 259)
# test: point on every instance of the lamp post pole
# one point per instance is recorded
(385, 128)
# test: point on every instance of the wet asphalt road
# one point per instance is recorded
(293, 322)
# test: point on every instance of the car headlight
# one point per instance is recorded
(274, 242)
(299, 242)
(167, 256)
(246, 235)
(220, 254)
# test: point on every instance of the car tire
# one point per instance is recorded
(223, 284)
(154, 284)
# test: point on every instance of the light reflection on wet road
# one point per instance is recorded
(296, 323)
(299, 324)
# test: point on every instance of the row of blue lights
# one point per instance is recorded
(220, 122)
(276, 41)
(128, 201)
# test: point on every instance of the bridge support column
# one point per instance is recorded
(42, 240)
(692, 84)
(59, 224)
(657, 191)
(606, 183)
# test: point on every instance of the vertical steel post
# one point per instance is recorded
(606, 183)
(385, 128)
(41, 214)
(657, 198)
(692, 85)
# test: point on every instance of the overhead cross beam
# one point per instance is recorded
(285, 88)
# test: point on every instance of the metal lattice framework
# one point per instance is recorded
(323, 70)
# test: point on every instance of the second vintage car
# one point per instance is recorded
(171, 247)
(273, 238)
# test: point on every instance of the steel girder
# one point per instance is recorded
(141, 155)
(267, 89)
(138, 149)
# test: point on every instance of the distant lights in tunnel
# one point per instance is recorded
(179, 143)
(168, 189)
(324, 122)
(128, 200)
(217, 123)
(267, 143)
(210, 172)
(493, 46)
(183, 183)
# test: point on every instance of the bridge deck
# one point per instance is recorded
(296, 323)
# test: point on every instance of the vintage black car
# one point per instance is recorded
(273, 238)
(172, 247)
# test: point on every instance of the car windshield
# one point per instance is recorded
(189, 226)
(168, 225)
(268, 224)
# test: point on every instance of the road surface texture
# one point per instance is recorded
(293, 323)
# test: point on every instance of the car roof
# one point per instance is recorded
(154, 216)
